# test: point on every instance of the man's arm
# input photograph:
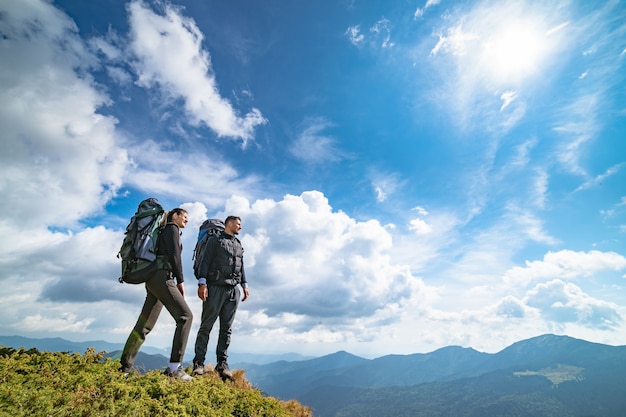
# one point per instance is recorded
(244, 283)
(203, 268)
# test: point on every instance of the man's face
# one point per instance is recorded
(233, 227)
(180, 219)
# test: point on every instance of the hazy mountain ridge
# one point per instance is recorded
(154, 355)
(57, 344)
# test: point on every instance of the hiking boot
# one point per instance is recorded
(178, 374)
(198, 369)
(223, 371)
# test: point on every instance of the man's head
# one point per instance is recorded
(232, 225)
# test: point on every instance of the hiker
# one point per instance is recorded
(164, 288)
(219, 274)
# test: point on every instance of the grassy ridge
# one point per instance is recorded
(53, 384)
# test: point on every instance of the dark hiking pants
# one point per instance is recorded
(221, 302)
(161, 291)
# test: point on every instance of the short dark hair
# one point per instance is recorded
(177, 210)
(231, 218)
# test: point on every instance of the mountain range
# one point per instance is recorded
(545, 376)
(149, 357)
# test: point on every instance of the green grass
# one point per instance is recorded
(53, 384)
(557, 374)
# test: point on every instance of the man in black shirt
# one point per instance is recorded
(219, 274)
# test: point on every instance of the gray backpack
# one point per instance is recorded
(139, 248)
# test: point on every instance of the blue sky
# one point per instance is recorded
(410, 174)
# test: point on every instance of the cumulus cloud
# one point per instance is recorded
(565, 302)
(566, 264)
(51, 128)
(322, 263)
(418, 225)
(169, 56)
(510, 307)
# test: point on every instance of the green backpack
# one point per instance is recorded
(139, 249)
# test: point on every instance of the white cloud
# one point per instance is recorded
(170, 56)
(580, 125)
(429, 3)
(175, 173)
(313, 146)
(421, 210)
(507, 97)
(324, 264)
(566, 264)
(565, 302)
(382, 28)
(354, 35)
(380, 34)
(420, 226)
(510, 307)
(66, 322)
(51, 127)
(592, 182)
(385, 185)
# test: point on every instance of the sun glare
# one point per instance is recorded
(514, 51)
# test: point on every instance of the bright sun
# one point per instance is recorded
(514, 51)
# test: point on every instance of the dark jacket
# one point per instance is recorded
(170, 249)
(222, 261)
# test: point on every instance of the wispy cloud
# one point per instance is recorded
(313, 146)
(380, 35)
(170, 56)
(580, 125)
(156, 168)
(494, 51)
(419, 12)
(385, 184)
(507, 98)
(354, 35)
(592, 182)
(382, 28)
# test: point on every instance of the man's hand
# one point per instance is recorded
(181, 288)
(203, 292)
(246, 293)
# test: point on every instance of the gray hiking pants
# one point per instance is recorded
(161, 291)
(221, 302)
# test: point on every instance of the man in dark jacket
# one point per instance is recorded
(165, 288)
(219, 274)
